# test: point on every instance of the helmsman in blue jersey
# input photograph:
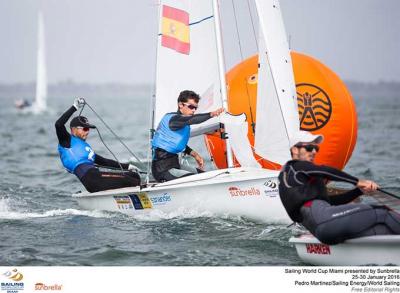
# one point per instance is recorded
(172, 136)
(78, 157)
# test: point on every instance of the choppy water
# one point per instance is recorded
(40, 224)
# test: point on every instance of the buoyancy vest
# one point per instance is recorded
(79, 153)
(172, 141)
(294, 197)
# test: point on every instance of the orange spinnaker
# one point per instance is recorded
(325, 107)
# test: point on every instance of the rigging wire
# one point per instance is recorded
(115, 135)
(242, 58)
(252, 24)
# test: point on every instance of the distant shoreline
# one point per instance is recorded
(73, 89)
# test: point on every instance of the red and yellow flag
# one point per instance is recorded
(175, 29)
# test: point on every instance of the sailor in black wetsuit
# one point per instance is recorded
(172, 136)
(78, 157)
(331, 219)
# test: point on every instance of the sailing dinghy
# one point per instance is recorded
(190, 56)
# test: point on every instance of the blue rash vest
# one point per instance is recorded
(79, 153)
(172, 141)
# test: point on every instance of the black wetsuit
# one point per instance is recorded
(331, 219)
(164, 163)
(91, 177)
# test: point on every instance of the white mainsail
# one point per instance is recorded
(277, 116)
(41, 77)
(186, 58)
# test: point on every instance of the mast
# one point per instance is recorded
(221, 66)
(153, 97)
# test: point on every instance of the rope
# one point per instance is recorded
(122, 169)
(241, 57)
(115, 135)
(252, 24)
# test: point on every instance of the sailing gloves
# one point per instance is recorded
(79, 103)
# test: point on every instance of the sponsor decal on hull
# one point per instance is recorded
(160, 199)
(318, 248)
(236, 191)
(271, 188)
(141, 201)
(123, 202)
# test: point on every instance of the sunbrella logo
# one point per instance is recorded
(235, 191)
(44, 287)
(12, 287)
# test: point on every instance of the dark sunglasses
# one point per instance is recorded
(190, 106)
(309, 147)
(84, 128)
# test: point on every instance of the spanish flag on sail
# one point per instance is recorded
(175, 29)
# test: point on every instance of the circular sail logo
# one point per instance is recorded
(315, 107)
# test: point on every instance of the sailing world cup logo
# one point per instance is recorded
(315, 107)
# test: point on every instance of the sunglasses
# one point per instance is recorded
(309, 147)
(190, 106)
(84, 128)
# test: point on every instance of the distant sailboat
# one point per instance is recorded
(39, 105)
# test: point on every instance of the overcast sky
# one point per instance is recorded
(114, 40)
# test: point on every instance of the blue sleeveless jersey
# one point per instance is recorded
(172, 141)
(79, 153)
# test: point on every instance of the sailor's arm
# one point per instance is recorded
(310, 169)
(64, 138)
(200, 161)
(345, 197)
(104, 162)
(179, 121)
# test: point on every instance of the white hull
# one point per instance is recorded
(373, 250)
(250, 193)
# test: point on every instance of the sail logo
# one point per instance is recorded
(13, 287)
(318, 248)
(315, 107)
(235, 191)
(44, 287)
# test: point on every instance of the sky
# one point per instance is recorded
(104, 41)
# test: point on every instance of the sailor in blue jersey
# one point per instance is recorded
(172, 136)
(78, 157)
(330, 218)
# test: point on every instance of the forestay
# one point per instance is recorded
(277, 116)
(186, 58)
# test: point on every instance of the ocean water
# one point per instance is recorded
(41, 224)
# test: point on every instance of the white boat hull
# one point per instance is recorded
(250, 193)
(372, 250)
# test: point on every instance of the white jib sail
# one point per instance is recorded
(41, 76)
(277, 116)
(186, 58)
(237, 128)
